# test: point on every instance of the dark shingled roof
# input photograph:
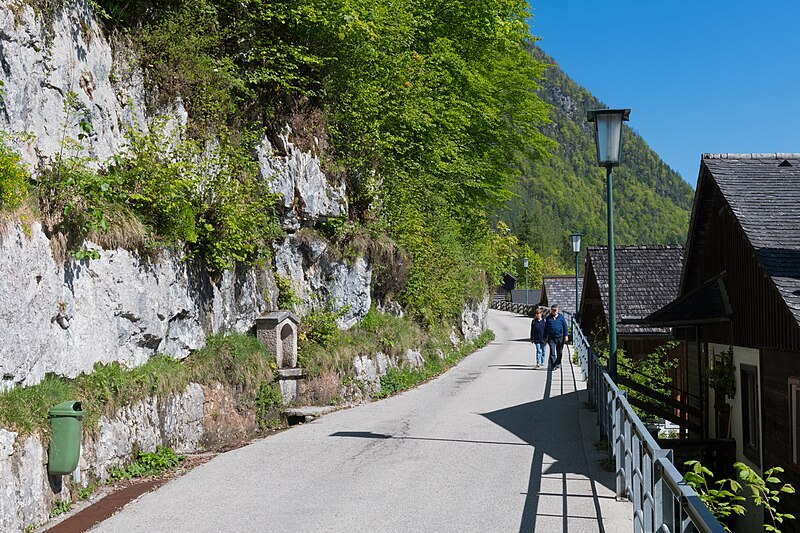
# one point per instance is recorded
(763, 191)
(560, 290)
(647, 279)
(534, 295)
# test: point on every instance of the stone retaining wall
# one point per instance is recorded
(196, 419)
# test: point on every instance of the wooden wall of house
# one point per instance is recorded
(692, 368)
(776, 369)
(593, 316)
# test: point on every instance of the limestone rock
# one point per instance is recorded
(183, 419)
(391, 307)
(65, 318)
(317, 277)
(9, 520)
(415, 359)
(42, 63)
(33, 484)
(308, 196)
(475, 319)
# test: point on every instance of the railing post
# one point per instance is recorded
(619, 448)
(636, 485)
(663, 500)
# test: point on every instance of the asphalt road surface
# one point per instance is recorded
(492, 445)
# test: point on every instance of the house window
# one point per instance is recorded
(750, 422)
(794, 417)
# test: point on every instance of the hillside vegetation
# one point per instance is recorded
(434, 113)
(566, 192)
(423, 107)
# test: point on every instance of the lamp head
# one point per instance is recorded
(608, 134)
(576, 242)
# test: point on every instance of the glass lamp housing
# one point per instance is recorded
(576, 242)
(608, 134)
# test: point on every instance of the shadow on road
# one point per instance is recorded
(559, 471)
(516, 367)
(372, 435)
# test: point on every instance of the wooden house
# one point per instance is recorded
(560, 290)
(647, 278)
(740, 291)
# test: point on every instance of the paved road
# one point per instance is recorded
(491, 446)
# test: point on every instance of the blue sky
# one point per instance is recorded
(702, 76)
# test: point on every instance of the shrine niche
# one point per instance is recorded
(278, 331)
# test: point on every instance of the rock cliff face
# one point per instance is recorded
(42, 63)
(63, 318)
(308, 197)
(317, 277)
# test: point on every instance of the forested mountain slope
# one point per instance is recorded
(566, 192)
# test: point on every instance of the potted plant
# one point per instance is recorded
(722, 378)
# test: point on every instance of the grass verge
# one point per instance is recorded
(237, 360)
(399, 379)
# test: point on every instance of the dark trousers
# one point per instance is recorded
(556, 349)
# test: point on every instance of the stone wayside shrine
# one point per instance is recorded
(278, 331)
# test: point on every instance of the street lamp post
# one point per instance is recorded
(608, 140)
(576, 247)
(525, 262)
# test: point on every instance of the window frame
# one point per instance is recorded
(749, 403)
(794, 421)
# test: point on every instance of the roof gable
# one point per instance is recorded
(763, 192)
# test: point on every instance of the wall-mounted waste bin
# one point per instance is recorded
(66, 420)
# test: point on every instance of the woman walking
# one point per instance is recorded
(537, 337)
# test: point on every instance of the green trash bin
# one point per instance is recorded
(66, 420)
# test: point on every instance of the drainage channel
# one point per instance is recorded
(86, 519)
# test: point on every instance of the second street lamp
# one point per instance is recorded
(525, 262)
(608, 140)
(576, 247)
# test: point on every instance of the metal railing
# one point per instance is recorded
(645, 474)
(522, 309)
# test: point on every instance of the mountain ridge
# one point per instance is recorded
(566, 192)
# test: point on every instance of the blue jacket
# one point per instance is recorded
(556, 328)
(537, 331)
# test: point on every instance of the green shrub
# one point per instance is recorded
(723, 497)
(13, 177)
(320, 325)
(269, 404)
(287, 299)
(147, 464)
(205, 194)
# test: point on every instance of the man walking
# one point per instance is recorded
(557, 334)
